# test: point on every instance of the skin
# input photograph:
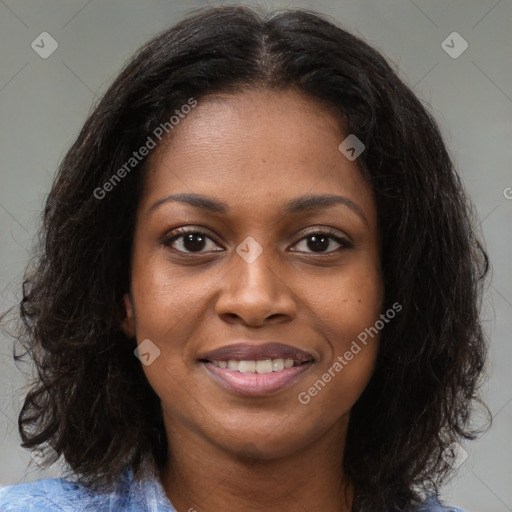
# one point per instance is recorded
(254, 151)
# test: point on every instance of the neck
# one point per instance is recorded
(205, 477)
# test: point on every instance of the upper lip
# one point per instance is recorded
(260, 351)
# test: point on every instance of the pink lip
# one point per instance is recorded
(254, 384)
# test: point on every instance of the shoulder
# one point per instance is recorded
(440, 508)
(35, 496)
(433, 504)
(53, 495)
(63, 495)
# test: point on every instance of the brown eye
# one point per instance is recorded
(321, 241)
(190, 241)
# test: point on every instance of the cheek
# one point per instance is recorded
(345, 303)
(164, 314)
(348, 322)
(346, 308)
(165, 298)
(333, 393)
(171, 306)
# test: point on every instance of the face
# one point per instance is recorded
(252, 295)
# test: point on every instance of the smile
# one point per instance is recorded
(256, 369)
(245, 379)
(260, 366)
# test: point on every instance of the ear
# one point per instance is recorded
(128, 323)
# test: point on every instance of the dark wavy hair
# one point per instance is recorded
(91, 401)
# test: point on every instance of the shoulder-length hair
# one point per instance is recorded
(91, 401)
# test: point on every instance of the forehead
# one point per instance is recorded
(256, 148)
(252, 118)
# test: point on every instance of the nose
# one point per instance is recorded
(255, 294)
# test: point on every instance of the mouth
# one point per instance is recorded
(257, 366)
(256, 370)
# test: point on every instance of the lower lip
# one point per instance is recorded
(256, 384)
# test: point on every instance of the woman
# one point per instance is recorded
(258, 287)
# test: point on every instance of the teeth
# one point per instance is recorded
(264, 366)
(261, 366)
(247, 366)
(277, 365)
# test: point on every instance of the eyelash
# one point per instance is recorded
(180, 232)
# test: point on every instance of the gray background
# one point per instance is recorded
(44, 102)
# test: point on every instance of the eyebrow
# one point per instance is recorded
(294, 206)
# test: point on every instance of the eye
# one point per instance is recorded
(320, 241)
(189, 240)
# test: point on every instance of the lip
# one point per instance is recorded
(254, 384)
(257, 351)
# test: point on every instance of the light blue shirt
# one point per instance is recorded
(62, 495)
(148, 495)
